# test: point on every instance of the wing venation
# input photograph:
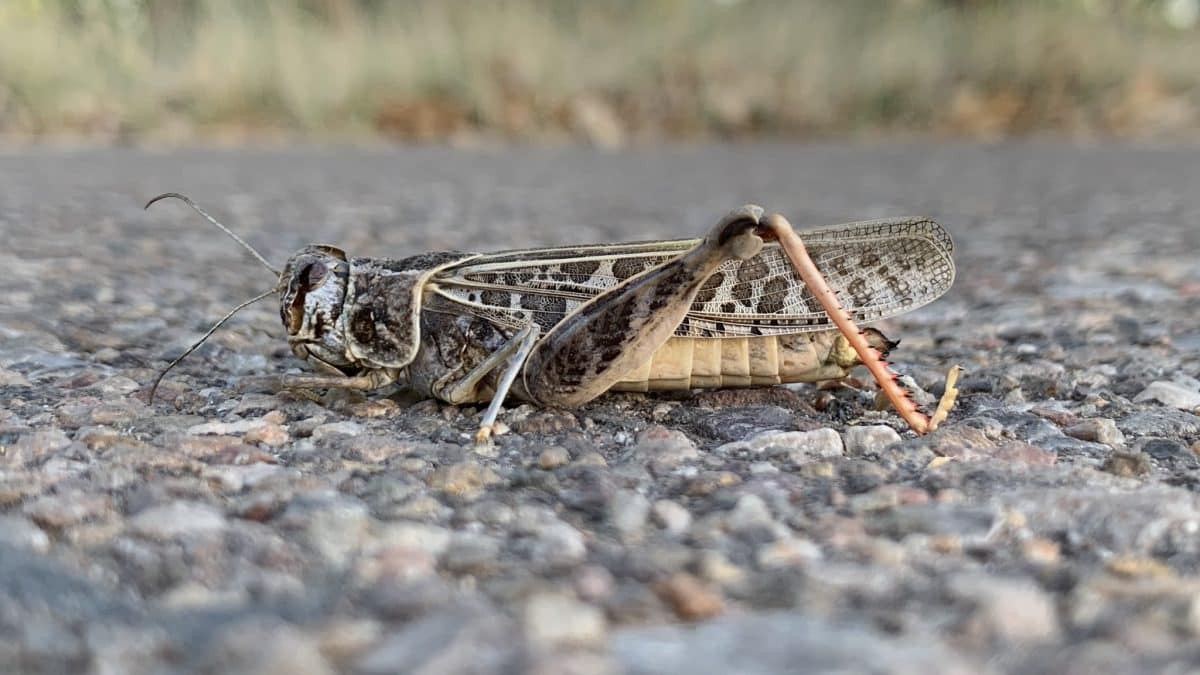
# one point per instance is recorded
(879, 269)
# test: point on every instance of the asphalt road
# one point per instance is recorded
(1051, 526)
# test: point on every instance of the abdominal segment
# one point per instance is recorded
(697, 363)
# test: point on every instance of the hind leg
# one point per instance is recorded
(592, 348)
(777, 228)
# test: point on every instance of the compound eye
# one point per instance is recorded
(313, 274)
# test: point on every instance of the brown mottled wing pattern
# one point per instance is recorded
(879, 268)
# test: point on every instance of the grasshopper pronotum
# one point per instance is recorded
(746, 306)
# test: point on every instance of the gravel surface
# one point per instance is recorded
(1051, 526)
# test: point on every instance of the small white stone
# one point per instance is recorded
(869, 439)
(750, 512)
(801, 446)
(628, 511)
(553, 457)
(763, 469)
(224, 428)
(11, 378)
(429, 538)
(557, 619)
(1098, 430)
(21, 532)
(193, 595)
(1170, 394)
(178, 519)
(331, 428)
(117, 384)
(1017, 610)
(788, 552)
(666, 449)
(671, 516)
(334, 525)
(235, 477)
(558, 543)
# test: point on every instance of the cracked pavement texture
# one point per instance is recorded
(1052, 525)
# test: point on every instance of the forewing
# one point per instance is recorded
(543, 285)
(878, 268)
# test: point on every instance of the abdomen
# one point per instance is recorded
(698, 363)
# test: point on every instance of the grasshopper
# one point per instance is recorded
(751, 304)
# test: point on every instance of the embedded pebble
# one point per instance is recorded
(1017, 611)
(376, 449)
(55, 512)
(395, 564)
(1171, 394)
(559, 543)
(664, 449)
(1127, 464)
(469, 553)
(553, 457)
(867, 440)
(116, 413)
(10, 378)
(269, 434)
(116, 386)
(225, 428)
(1169, 452)
(428, 538)
(557, 619)
(594, 583)
(235, 478)
(775, 642)
(788, 552)
(1160, 422)
(265, 646)
(750, 512)
(21, 533)
(198, 597)
(671, 516)
(34, 446)
(336, 429)
(175, 520)
(1097, 430)
(335, 527)
(690, 598)
(628, 512)
(799, 446)
(469, 638)
(591, 459)
(465, 479)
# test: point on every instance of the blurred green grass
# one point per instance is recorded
(608, 73)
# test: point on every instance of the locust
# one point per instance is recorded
(753, 303)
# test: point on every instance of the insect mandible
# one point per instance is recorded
(751, 304)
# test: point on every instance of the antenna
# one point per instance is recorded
(187, 200)
(196, 345)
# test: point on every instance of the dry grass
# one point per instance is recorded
(606, 72)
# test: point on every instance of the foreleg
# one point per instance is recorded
(372, 379)
(517, 351)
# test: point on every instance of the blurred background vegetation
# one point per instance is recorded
(606, 72)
